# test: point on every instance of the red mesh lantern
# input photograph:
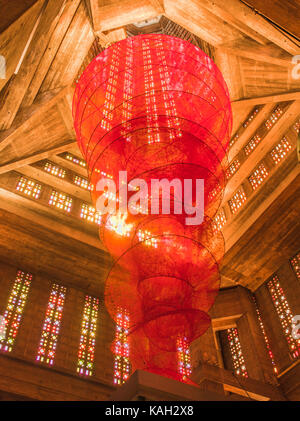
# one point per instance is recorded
(157, 107)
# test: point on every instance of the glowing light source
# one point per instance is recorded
(29, 187)
(157, 107)
(184, 358)
(285, 314)
(50, 331)
(233, 168)
(281, 150)
(251, 145)
(14, 309)
(121, 348)
(236, 352)
(54, 170)
(89, 213)
(75, 160)
(258, 176)
(237, 200)
(118, 224)
(219, 221)
(295, 262)
(86, 352)
(274, 117)
(266, 339)
(60, 201)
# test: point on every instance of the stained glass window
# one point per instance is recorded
(233, 168)
(121, 350)
(236, 352)
(86, 352)
(251, 145)
(258, 176)
(89, 213)
(14, 309)
(60, 201)
(82, 182)
(296, 126)
(75, 160)
(54, 170)
(219, 220)
(274, 117)
(262, 327)
(295, 262)
(237, 200)
(281, 150)
(284, 313)
(251, 117)
(234, 139)
(50, 331)
(29, 187)
(246, 123)
(184, 358)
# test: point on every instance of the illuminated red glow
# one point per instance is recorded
(157, 107)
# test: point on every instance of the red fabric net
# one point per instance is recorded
(157, 107)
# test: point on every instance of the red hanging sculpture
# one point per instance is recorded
(157, 107)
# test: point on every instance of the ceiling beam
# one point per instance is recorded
(248, 17)
(272, 137)
(37, 157)
(17, 89)
(14, 39)
(36, 171)
(285, 14)
(33, 134)
(265, 53)
(222, 12)
(250, 131)
(111, 37)
(192, 16)
(286, 96)
(123, 12)
(51, 51)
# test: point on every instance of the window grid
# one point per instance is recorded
(258, 176)
(251, 145)
(184, 358)
(50, 331)
(234, 139)
(54, 170)
(60, 201)
(82, 182)
(295, 262)
(237, 200)
(284, 313)
(121, 349)
(274, 117)
(14, 309)
(89, 213)
(296, 126)
(246, 123)
(219, 221)
(262, 327)
(233, 168)
(281, 150)
(251, 117)
(75, 160)
(236, 352)
(214, 192)
(29, 187)
(86, 352)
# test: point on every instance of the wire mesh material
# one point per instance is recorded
(157, 107)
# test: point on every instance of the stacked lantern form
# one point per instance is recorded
(157, 107)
